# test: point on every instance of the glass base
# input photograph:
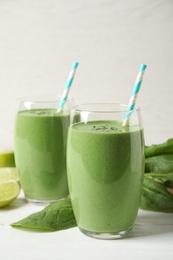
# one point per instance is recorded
(43, 202)
(106, 235)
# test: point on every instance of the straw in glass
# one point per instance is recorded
(135, 92)
(68, 86)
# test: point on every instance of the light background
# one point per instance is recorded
(39, 40)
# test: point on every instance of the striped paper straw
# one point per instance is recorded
(135, 92)
(67, 86)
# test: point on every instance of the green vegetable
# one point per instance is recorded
(156, 197)
(156, 149)
(158, 178)
(159, 163)
(56, 216)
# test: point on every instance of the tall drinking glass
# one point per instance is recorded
(40, 147)
(105, 166)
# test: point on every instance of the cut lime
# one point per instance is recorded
(8, 192)
(9, 185)
(8, 174)
(7, 159)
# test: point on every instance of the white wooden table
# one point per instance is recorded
(151, 238)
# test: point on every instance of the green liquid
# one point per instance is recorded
(40, 153)
(105, 165)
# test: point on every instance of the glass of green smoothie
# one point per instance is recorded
(105, 167)
(40, 147)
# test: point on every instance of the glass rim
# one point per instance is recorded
(85, 108)
(43, 98)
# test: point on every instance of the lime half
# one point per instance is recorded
(7, 159)
(9, 185)
(8, 192)
(8, 174)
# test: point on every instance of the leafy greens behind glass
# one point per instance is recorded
(157, 191)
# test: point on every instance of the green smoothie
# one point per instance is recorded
(105, 165)
(40, 153)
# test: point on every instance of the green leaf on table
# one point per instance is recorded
(155, 196)
(56, 216)
(159, 163)
(156, 149)
(163, 177)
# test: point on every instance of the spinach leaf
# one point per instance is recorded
(155, 196)
(158, 177)
(161, 177)
(156, 149)
(159, 163)
(56, 216)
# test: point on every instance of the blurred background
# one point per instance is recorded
(40, 39)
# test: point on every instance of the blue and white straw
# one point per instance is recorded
(135, 92)
(67, 86)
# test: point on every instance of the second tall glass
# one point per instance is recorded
(40, 147)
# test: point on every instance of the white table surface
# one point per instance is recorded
(151, 238)
(39, 39)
